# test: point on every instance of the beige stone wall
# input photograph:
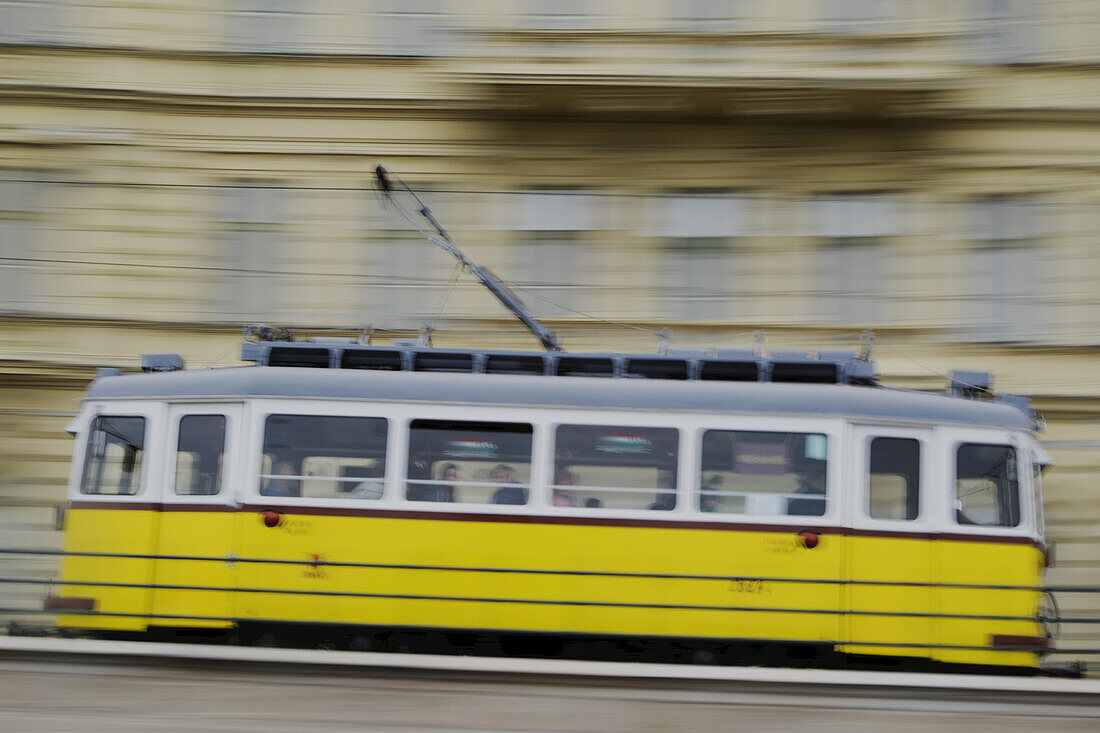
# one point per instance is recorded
(170, 170)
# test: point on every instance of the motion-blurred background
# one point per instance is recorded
(173, 169)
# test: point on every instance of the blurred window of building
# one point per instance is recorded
(853, 256)
(549, 262)
(558, 14)
(858, 16)
(411, 27)
(403, 278)
(254, 244)
(1005, 31)
(268, 26)
(706, 15)
(1003, 292)
(699, 275)
(33, 21)
(22, 204)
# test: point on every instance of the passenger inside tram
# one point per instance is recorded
(449, 473)
(563, 497)
(510, 492)
(811, 484)
(372, 486)
(283, 486)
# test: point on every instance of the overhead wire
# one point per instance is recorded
(582, 313)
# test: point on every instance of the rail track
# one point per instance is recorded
(56, 684)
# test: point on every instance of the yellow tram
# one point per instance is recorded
(729, 497)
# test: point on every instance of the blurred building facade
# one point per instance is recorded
(173, 169)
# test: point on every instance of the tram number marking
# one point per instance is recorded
(782, 545)
(315, 569)
(296, 526)
(748, 586)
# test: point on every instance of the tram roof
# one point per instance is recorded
(582, 392)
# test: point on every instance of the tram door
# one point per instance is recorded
(889, 556)
(197, 518)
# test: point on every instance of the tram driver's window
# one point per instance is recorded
(199, 454)
(114, 457)
(615, 467)
(469, 462)
(987, 487)
(893, 480)
(324, 457)
(763, 473)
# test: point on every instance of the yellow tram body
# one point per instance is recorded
(467, 543)
(216, 562)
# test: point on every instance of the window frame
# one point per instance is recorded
(544, 422)
(552, 427)
(862, 437)
(303, 477)
(153, 453)
(949, 440)
(233, 413)
(252, 457)
(832, 479)
(532, 485)
(138, 485)
(1021, 487)
(834, 430)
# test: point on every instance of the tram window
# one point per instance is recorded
(987, 488)
(199, 454)
(114, 458)
(763, 473)
(893, 480)
(324, 456)
(615, 467)
(469, 462)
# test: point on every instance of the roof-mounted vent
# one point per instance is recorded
(387, 360)
(586, 366)
(515, 364)
(162, 363)
(297, 356)
(802, 366)
(729, 371)
(656, 367)
(970, 384)
(724, 365)
(734, 365)
(443, 361)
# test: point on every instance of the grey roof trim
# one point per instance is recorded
(666, 395)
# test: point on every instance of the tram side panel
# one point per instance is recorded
(113, 580)
(994, 614)
(888, 598)
(620, 561)
(195, 593)
(111, 527)
(992, 541)
(888, 564)
(198, 526)
(518, 573)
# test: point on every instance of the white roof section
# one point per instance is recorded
(876, 403)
